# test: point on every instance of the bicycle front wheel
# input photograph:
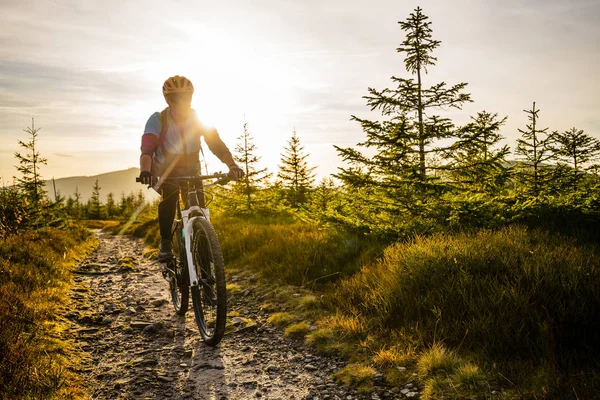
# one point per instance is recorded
(209, 296)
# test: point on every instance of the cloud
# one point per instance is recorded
(90, 72)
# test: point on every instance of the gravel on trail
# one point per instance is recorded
(136, 347)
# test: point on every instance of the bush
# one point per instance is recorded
(510, 293)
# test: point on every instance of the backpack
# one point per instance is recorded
(191, 163)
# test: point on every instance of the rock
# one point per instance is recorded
(85, 320)
(405, 391)
(272, 368)
(410, 395)
(247, 328)
(144, 362)
(139, 324)
(159, 302)
(153, 328)
(72, 315)
(88, 331)
(310, 367)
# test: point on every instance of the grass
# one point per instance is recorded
(309, 302)
(502, 294)
(282, 319)
(515, 295)
(297, 253)
(298, 330)
(516, 309)
(37, 361)
(100, 224)
(437, 361)
(469, 377)
(393, 357)
(358, 375)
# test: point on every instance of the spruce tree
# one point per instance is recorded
(13, 210)
(534, 150)
(77, 203)
(410, 142)
(110, 205)
(94, 207)
(123, 205)
(70, 206)
(29, 166)
(254, 178)
(295, 174)
(324, 195)
(575, 148)
(476, 162)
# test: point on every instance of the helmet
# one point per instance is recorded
(177, 84)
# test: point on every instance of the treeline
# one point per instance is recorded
(24, 204)
(418, 172)
(94, 208)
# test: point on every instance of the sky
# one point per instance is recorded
(90, 72)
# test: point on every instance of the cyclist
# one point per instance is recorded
(171, 147)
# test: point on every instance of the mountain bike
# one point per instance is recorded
(197, 262)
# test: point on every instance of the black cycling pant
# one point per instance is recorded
(168, 206)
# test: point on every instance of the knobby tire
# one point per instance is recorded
(178, 284)
(209, 296)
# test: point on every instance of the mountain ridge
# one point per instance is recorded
(119, 183)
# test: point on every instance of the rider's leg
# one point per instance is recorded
(166, 215)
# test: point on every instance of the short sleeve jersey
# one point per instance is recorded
(182, 139)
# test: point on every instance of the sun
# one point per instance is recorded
(237, 79)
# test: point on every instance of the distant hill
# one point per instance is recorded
(116, 182)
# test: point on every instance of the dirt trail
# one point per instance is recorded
(139, 349)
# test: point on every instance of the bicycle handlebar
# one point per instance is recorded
(222, 178)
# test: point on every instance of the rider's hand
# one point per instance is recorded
(146, 177)
(235, 172)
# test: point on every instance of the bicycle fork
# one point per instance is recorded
(189, 231)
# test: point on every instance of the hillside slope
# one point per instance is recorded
(116, 182)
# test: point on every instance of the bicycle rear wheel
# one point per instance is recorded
(179, 277)
(209, 296)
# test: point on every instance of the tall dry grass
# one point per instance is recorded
(36, 360)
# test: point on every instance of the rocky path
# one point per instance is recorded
(138, 348)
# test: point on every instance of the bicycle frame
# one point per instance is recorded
(188, 229)
(189, 214)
